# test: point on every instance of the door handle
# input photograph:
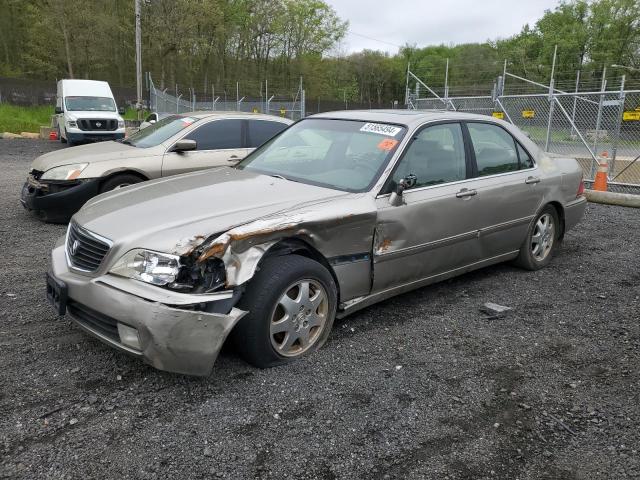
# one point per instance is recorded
(465, 193)
(233, 158)
(532, 180)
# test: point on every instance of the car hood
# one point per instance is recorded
(164, 214)
(91, 153)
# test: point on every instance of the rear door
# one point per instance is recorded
(219, 143)
(508, 186)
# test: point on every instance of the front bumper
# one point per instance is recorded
(169, 337)
(56, 207)
(80, 137)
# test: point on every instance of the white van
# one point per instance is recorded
(86, 111)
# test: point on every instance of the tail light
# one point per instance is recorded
(580, 189)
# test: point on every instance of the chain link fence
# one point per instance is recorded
(163, 101)
(589, 126)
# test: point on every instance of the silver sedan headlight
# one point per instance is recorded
(148, 266)
(65, 172)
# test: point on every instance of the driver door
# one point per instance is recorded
(435, 228)
(218, 143)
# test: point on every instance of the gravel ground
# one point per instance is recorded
(420, 386)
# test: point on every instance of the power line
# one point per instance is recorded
(374, 39)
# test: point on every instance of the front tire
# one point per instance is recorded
(292, 303)
(542, 240)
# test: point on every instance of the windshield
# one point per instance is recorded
(160, 131)
(340, 154)
(90, 104)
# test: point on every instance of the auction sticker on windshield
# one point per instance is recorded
(381, 129)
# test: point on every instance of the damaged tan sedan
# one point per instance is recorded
(338, 212)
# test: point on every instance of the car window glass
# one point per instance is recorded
(262, 130)
(436, 155)
(345, 155)
(160, 131)
(495, 149)
(525, 158)
(217, 135)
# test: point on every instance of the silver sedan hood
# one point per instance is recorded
(91, 153)
(165, 214)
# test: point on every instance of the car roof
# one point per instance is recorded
(408, 118)
(229, 114)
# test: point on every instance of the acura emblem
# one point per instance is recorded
(98, 124)
(74, 247)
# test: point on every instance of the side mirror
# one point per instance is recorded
(184, 145)
(122, 111)
(403, 184)
(58, 110)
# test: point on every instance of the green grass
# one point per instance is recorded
(16, 119)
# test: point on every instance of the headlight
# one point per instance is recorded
(120, 123)
(72, 124)
(65, 172)
(147, 266)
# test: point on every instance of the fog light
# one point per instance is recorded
(129, 336)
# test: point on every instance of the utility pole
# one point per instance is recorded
(138, 61)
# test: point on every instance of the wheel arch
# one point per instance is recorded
(560, 211)
(300, 246)
(123, 171)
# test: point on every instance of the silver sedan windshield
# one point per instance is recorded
(340, 154)
(160, 131)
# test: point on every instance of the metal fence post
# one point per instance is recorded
(575, 99)
(616, 139)
(599, 116)
(550, 123)
(551, 100)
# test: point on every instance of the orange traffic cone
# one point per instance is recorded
(600, 182)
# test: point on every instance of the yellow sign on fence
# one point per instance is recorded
(255, 110)
(499, 115)
(631, 116)
(528, 113)
(283, 112)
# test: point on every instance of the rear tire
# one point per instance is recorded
(119, 181)
(291, 303)
(62, 139)
(542, 240)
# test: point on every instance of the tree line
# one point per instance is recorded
(212, 44)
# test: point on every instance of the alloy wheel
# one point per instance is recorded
(299, 318)
(543, 237)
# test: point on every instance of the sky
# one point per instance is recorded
(386, 25)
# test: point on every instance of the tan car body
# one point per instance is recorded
(373, 246)
(107, 158)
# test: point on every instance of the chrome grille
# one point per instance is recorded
(85, 250)
(97, 124)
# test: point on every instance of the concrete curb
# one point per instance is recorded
(612, 198)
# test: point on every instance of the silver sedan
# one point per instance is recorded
(339, 211)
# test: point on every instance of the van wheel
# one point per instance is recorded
(62, 139)
(291, 303)
(541, 242)
(119, 181)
